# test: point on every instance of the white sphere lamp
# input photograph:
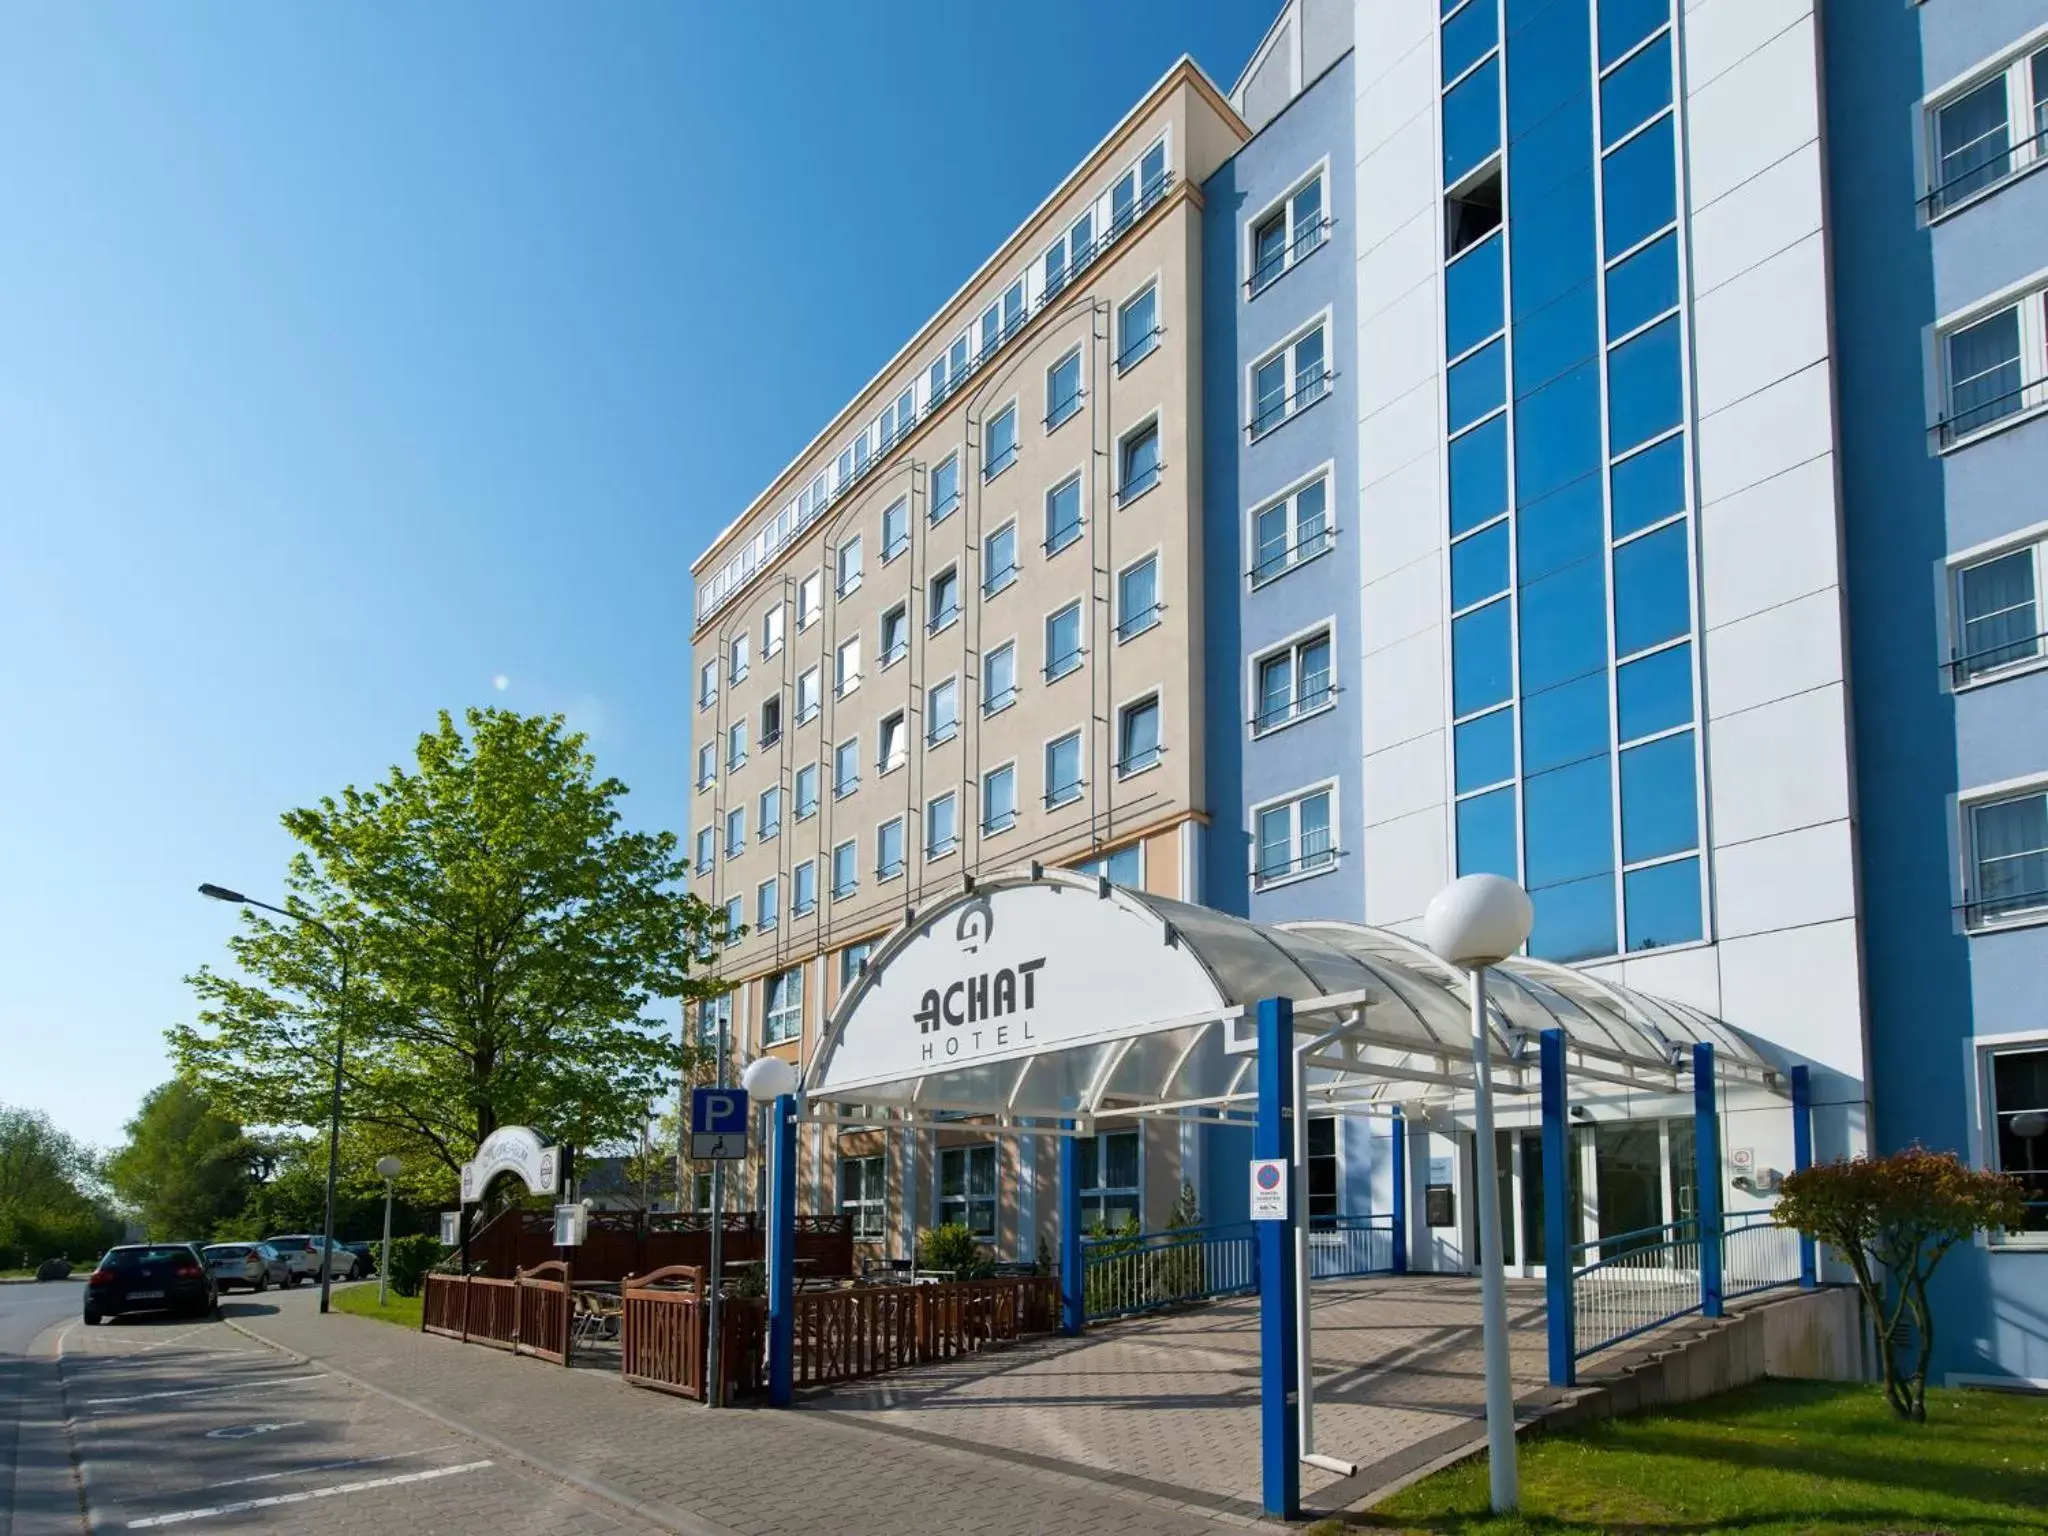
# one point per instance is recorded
(768, 1077)
(389, 1167)
(2029, 1123)
(1478, 920)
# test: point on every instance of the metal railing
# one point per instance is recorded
(1305, 547)
(1636, 1281)
(1312, 387)
(1138, 348)
(1139, 483)
(1308, 239)
(1984, 175)
(1981, 911)
(1757, 1254)
(1315, 693)
(1994, 658)
(1137, 1273)
(1978, 415)
(1137, 623)
(1342, 1246)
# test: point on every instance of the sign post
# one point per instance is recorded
(718, 1133)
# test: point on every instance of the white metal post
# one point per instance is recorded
(1502, 1474)
(384, 1253)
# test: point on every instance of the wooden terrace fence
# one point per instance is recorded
(529, 1315)
(845, 1334)
(664, 1338)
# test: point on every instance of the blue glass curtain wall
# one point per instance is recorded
(1576, 749)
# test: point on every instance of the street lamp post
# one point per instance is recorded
(1473, 923)
(221, 893)
(390, 1168)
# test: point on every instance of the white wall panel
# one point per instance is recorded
(1405, 778)
(1720, 34)
(1770, 212)
(1754, 114)
(1405, 348)
(1385, 32)
(1395, 95)
(1792, 515)
(1401, 691)
(1396, 179)
(1779, 767)
(1798, 988)
(1402, 604)
(1787, 881)
(1761, 327)
(1683, 975)
(1401, 517)
(1406, 863)
(1766, 433)
(1400, 432)
(1775, 654)
(1401, 269)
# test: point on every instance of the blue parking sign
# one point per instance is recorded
(718, 1123)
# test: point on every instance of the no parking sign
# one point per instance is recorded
(1269, 1189)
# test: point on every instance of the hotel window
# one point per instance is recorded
(846, 668)
(845, 870)
(889, 849)
(810, 599)
(1998, 612)
(803, 889)
(895, 634)
(863, 1186)
(771, 720)
(807, 696)
(1293, 681)
(1063, 642)
(891, 754)
(767, 905)
(1291, 530)
(967, 1190)
(1994, 368)
(735, 831)
(1109, 1180)
(707, 685)
(768, 818)
(1987, 131)
(846, 768)
(945, 488)
(739, 658)
(1068, 254)
(1137, 737)
(1063, 770)
(1062, 514)
(1137, 463)
(771, 631)
(999, 800)
(941, 826)
(707, 848)
(735, 919)
(707, 765)
(1125, 867)
(1322, 1174)
(1001, 443)
(1137, 328)
(849, 567)
(944, 601)
(1137, 598)
(1137, 189)
(1063, 389)
(942, 713)
(2008, 839)
(806, 792)
(714, 1018)
(1288, 233)
(999, 560)
(2015, 1087)
(895, 529)
(1289, 381)
(1293, 838)
(999, 679)
(782, 1014)
(852, 961)
(735, 745)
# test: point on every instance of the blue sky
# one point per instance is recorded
(356, 359)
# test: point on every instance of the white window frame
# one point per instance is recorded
(845, 679)
(887, 763)
(994, 582)
(988, 829)
(993, 467)
(774, 624)
(1293, 798)
(851, 959)
(798, 906)
(707, 685)
(771, 707)
(707, 849)
(1967, 805)
(1130, 353)
(735, 916)
(850, 562)
(883, 875)
(736, 741)
(1100, 1193)
(936, 513)
(1291, 253)
(1079, 735)
(867, 1217)
(1080, 651)
(1061, 409)
(765, 829)
(735, 831)
(707, 765)
(2025, 148)
(782, 1021)
(938, 620)
(740, 650)
(1152, 422)
(931, 723)
(1121, 767)
(2034, 538)
(796, 794)
(995, 704)
(1078, 479)
(840, 788)
(2030, 297)
(768, 905)
(1290, 498)
(810, 600)
(892, 552)
(889, 656)
(933, 853)
(1978, 1053)
(852, 887)
(814, 676)
(1291, 402)
(944, 1204)
(1122, 627)
(1324, 629)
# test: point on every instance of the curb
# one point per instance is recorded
(663, 1517)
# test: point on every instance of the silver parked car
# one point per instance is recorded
(302, 1251)
(252, 1266)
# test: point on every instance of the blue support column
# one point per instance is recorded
(1073, 1282)
(1706, 1116)
(1559, 1223)
(781, 1250)
(1802, 1159)
(1400, 1154)
(1279, 1364)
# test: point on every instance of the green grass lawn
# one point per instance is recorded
(362, 1301)
(1780, 1456)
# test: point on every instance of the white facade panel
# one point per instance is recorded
(1405, 778)
(1398, 433)
(1396, 95)
(1392, 271)
(1754, 114)
(1406, 347)
(1791, 649)
(1799, 989)
(1772, 211)
(1684, 975)
(1787, 881)
(1407, 861)
(1403, 518)
(1403, 604)
(1395, 180)
(1792, 515)
(1386, 31)
(1779, 768)
(1720, 34)
(1766, 433)
(1761, 327)
(1402, 690)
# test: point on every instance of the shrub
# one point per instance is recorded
(952, 1247)
(1891, 1219)
(410, 1260)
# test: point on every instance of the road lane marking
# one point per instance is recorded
(245, 1431)
(333, 1490)
(228, 1386)
(318, 1466)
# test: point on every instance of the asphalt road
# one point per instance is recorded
(144, 1424)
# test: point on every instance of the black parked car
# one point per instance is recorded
(150, 1277)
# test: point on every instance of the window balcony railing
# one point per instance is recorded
(1309, 238)
(1062, 536)
(1139, 483)
(1312, 387)
(734, 850)
(1316, 694)
(941, 732)
(940, 847)
(1307, 545)
(945, 508)
(771, 736)
(1001, 822)
(803, 906)
(1137, 623)
(1138, 348)
(1984, 911)
(841, 788)
(842, 890)
(942, 618)
(1002, 461)
(896, 547)
(1975, 415)
(996, 581)
(1061, 665)
(1063, 410)
(1139, 761)
(1995, 659)
(999, 701)
(1992, 167)
(736, 761)
(768, 830)
(807, 714)
(1062, 794)
(805, 810)
(1314, 852)
(889, 762)
(889, 870)
(895, 653)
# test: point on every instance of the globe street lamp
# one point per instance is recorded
(222, 893)
(388, 1168)
(1473, 923)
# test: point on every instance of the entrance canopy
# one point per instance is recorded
(1051, 994)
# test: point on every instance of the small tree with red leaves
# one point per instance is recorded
(1891, 1219)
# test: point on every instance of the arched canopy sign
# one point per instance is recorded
(511, 1149)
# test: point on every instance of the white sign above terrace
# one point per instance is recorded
(511, 1149)
(1018, 971)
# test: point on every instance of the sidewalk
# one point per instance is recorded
(737, 1470)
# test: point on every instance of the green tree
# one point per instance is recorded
(505, 938)
(1891, 1219)
(186, 1167)
(48, 1193)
